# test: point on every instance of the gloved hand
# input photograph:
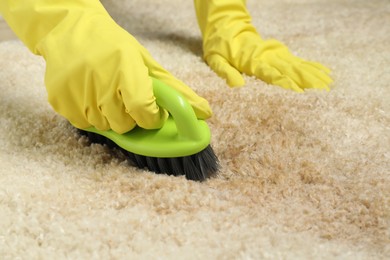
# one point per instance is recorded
(96, 73)
(232, 46)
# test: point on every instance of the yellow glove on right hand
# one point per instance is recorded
(96, 73)
(232, 46)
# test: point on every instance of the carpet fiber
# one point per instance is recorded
(303, 175)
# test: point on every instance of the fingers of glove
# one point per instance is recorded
(319, 74)
(200, 105)
(147, 113)
(79, 121)
(95, 118)
(318, 66)
(136, 93)
(272, 75)
(303, 75)
(115, 114)
(223, 69)
(315, 68)
(320, 70)
(311, 77)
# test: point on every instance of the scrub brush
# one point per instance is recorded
(180, 147)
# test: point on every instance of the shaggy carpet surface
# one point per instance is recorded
(302, 175)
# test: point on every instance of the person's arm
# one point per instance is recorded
(231, 46)
(96, 73)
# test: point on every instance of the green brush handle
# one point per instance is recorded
(182, 112)
(183, 134)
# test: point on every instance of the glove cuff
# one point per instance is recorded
(33, 20)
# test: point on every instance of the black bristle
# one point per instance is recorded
(130, 156)
(110, 143)
(191, 171)
(208, 161)
(176, 166)
(140, 161)
(197, 167)
(152, 164)
(164, 165)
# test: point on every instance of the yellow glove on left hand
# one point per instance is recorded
(232, 46)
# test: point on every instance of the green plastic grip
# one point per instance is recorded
(182, 134)
(182, 112)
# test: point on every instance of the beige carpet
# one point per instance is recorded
(303, 175)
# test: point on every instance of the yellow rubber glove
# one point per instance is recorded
(232, 46)
(96, 73)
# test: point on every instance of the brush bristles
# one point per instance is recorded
(197, 167)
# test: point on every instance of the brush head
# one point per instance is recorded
(180, 147)
(198, 167)
(168, 141)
